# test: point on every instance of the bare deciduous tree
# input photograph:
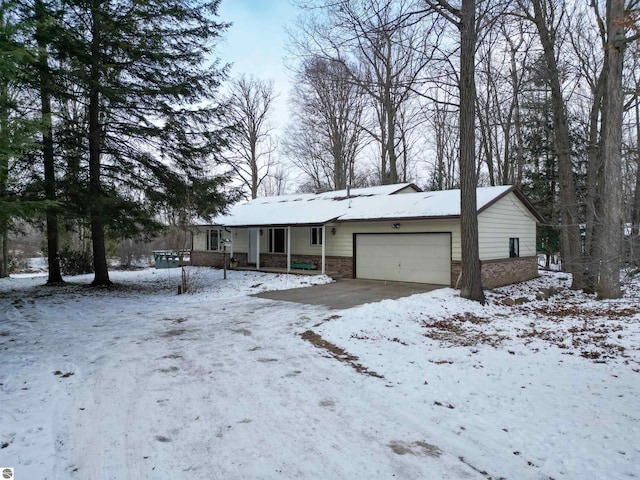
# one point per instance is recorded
(443, 129)
(327, 116)
(545, 16)
(612, 218)
(503, 56)
(252, 144)
(276, 182)
(634, 151)
(384, 47)
(464, 19)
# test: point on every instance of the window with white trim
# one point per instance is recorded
(213, 240)
(316, 236)
(277, 240)
(514, 247)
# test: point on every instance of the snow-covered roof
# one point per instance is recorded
(375, 203)
(444, 203)
(339, 194)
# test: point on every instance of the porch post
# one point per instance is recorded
(324, 248)
(258, 248)
(288, 248)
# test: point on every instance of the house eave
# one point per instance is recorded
(278, 225)
(399, 218)
(525, 201)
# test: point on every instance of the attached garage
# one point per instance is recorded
(387, 232)
(404, 257)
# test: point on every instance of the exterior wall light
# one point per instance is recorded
(333, 230)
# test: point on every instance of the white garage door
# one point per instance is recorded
(410, 257)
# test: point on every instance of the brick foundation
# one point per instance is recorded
(241, 258)
(215, 259)
(273, 260)
(337, 266)
(207, 259)
(343, 266)
(497, 273)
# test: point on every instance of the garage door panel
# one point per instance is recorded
(421, 258)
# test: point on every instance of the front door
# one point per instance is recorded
(252, 254)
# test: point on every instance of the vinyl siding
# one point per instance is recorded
(199, 238)
(300, 241)
(505, 219)
(238, 236)
(341, 244)
(405, 190)
(240, 239)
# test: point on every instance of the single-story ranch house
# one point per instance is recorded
(390, 232)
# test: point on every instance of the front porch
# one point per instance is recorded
(272, 247)
(336, 267)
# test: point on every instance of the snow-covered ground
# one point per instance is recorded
(137, 382)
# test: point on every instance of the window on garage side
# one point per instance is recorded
(514, 247)
(277, 240)
(213, 240)
(316, 235)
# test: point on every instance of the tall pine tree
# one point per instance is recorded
(18, 129)
(44, 29)
(147, 75)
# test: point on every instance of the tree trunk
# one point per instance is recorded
(4, 240)
(392, 111)
(517, 121)
(405, 158)
(254, 169)
(471, 282)
(4, 179)
(339, 177)
(507, 163)
(635, 213)
(391, 176)
(612, 216)
(570, 229)
(594, 188)
(382, 122)
(101, 272)
(53, 254)
(485, 142)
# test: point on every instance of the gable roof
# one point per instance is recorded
(374, 203)
(338, 194)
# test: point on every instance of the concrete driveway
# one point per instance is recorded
(347, 293)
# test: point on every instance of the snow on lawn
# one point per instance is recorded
(138, 382)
